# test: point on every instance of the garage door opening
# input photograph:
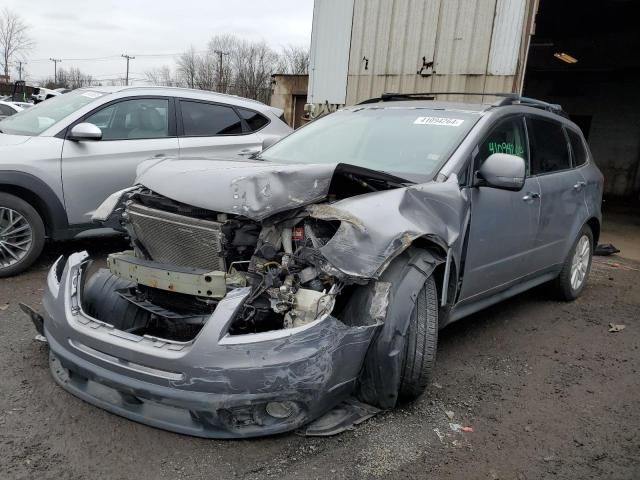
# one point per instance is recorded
(585, 56)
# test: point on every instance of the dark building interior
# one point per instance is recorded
(585, 55)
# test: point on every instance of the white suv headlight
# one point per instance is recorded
(104, 211)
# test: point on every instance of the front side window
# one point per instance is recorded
(411, 143)
(208, 120)
(508, 136)
(133, 119)
(577, 148)
(549, 150)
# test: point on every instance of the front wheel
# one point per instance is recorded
(22, 235)
(421, 343)
(575, 271)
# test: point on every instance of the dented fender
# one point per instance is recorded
(377, 227)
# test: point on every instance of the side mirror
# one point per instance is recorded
(502, 171)
(268, 141)
(85, 131)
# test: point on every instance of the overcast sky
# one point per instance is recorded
(80, 29)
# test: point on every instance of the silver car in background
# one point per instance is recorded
(61, 159)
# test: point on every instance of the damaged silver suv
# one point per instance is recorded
(304, 288)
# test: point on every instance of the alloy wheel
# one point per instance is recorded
(580, 262)
(16, 237)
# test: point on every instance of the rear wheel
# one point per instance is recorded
(575, 271)
(22, 235)
(421, 343)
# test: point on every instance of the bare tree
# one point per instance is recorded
(222, 49)
(70, 78)
(254, 62)
(162, 76)
(206, 72)
(294, 60)
(14, 38)
(188, 66)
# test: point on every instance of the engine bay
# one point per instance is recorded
(185, 259)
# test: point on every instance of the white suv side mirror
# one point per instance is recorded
(85, 131)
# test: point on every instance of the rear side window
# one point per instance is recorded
(208, 120)
(253, 119)
(577, 148)
(549, 150)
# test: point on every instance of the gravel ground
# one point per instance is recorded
(548, 391)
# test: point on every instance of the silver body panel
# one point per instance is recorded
(82, 174)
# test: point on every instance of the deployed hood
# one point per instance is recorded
(253, 189)
(8, 140)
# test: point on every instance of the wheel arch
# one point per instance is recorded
(594, 225)
(41, 197)
(381, 373)
(434, 248)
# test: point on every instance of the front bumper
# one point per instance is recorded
(216, 386)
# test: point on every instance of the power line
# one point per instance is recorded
(111, 57)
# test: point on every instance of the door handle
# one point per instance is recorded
(579, 186)
(159, 155)
(530, 196)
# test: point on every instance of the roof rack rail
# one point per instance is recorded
(506, 99)
(515, 99)
(394, 97)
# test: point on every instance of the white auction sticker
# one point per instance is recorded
(446, 122)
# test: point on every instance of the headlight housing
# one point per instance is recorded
(104, 211)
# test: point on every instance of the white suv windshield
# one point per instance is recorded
(36, 120)
(410, 143)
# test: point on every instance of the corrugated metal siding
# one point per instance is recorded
(507, 35)
(464, 37)
(474, 44)
(329, 60)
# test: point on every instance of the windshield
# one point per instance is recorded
(34, 121)
(410, 143)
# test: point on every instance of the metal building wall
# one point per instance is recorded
(330, 41)
(475, 46)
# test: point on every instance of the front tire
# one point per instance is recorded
(22, 235)
(421, 343)
(575, 271)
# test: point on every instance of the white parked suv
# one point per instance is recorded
(61, 159)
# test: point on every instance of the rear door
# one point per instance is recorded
(503, 223)
(562, 206)
(208, 129)
(133, 130)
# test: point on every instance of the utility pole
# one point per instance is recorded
(128, 57)
(20, 69)
(220, 55)
(55, 69)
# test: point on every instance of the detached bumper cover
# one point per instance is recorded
(216, 386)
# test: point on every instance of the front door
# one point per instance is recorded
(503, 223)
(133, 130)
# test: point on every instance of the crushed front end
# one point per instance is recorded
(214, 324)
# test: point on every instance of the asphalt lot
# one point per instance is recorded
(548, 391)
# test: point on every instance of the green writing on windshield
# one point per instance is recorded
(506, 147)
